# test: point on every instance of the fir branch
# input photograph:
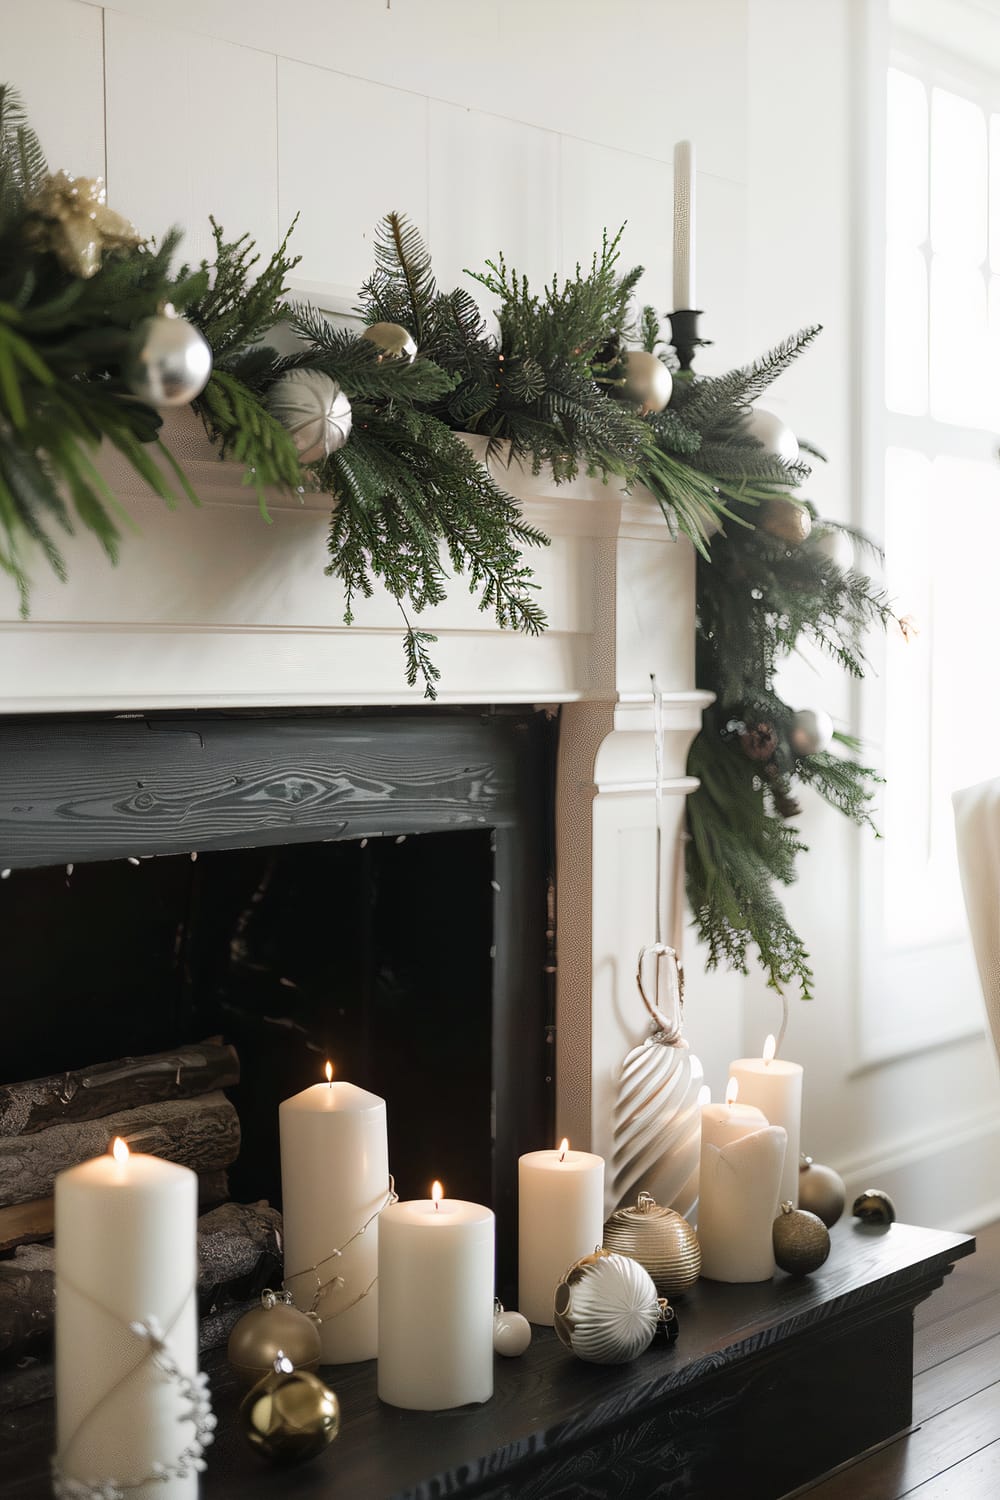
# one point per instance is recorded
(240, 309)
(708, 405)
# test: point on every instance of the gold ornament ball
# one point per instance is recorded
(606, 1309)
(661, 1241)
(269, 1330)
(821, 1191)
(801, 1241)
(784, 519)
(290, 1415)
(392, 341)
(873, 1206)
(647, 381)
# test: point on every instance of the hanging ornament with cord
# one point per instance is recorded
(657, 1121)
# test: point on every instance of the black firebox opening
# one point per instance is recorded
(368, 889)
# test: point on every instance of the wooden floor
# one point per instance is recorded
(953, 1449)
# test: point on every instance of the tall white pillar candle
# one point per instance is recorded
(775, 1086)
(736, 1205)
(560, 1213)
(435, 1311)
(334, 1180)
(684, 226)
(125, 1251)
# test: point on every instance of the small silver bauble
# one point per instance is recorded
(511, 1332)
(812, 731)
(606, 1309)
(392, 341)
(315, 411)
(169, 362)
(775, 436)
(647, 381)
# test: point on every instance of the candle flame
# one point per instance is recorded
(119, 1149)
(704, 1094)
(329, 1072)
(437, 1193)
(770, 1047)
(732, 1090)
(563, 1148)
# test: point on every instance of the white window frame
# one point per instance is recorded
(914, 999)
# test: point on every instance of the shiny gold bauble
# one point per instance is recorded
(801, 1241)
(392, 341)
(606, 1309)
(873, 1206)
(276, 1327)
(290, 1415)
(661, 1241)
(647, 381)
(821, 1191)
(785, 519)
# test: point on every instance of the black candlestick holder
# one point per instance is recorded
(684, 335)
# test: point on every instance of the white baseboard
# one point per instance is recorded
(943, 1179)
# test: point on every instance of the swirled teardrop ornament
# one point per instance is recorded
(657, 1121)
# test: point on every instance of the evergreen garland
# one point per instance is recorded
(411, 499)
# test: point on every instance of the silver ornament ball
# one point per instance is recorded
(392, 341)
(821, 1191)
(168, 362)
(511, 1332)
(647, 381)
(606, 1309)
(833, 546)
(775, 436)
(812, 731)
(315, 411)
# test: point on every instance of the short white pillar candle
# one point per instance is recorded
(435, 1310)
(560, 1216)
(125, 1251)
(334, 1181)
(735, 1209)
(775, 1086)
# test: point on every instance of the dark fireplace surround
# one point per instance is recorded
(372, 885)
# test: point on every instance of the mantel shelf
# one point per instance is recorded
(768, 1385)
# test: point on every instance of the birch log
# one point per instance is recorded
(108, 1087)
(200, 1133)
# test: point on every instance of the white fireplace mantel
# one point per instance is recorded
(215, 608)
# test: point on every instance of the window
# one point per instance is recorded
(941, 525)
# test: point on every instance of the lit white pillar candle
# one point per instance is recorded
(334, 1180)
(775, 1086)
(684, 226)
(435, 1311)
(125, 1251)
(560, 1214)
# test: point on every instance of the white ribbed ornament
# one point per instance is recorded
(315, 411)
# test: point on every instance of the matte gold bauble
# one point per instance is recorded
(276, 1327)
(647, 381)
(392, 341)
(784, 518)
(606, 1309)
(873, 1206)
(661, 1241)
(290, 1415)
(821, 1191)
(801, 1241)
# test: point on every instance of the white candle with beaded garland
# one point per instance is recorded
(775, 1087)
(334, 1180)
(125, 1251)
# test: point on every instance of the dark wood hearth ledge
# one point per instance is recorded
(767, 1387)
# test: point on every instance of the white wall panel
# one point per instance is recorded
(52, 52)
(349, 151)
(192, 131)
(493, 186)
